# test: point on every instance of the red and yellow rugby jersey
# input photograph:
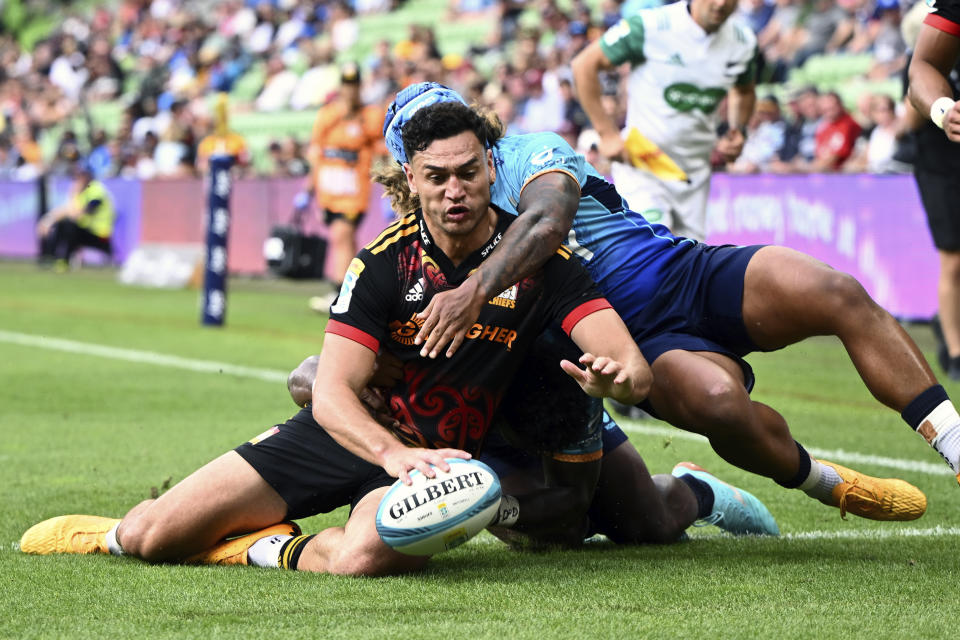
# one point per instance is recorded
(450, 402)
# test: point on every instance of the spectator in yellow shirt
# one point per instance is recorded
(85, 220)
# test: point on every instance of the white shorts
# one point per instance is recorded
(681, 206)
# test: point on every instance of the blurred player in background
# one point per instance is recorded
(223, 141)
(86, 219)
(934, 86)
(343, 144)
(695, 311)
(685, 58)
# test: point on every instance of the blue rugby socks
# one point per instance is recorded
(702, 492)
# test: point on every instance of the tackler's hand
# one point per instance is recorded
(447, 318)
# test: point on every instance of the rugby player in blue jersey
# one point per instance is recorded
(695, 311)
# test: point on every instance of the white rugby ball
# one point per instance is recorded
(435, 514)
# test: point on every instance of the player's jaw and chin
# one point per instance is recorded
(711, 14)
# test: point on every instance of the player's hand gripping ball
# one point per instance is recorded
(435, 514)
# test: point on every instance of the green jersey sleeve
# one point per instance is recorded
(749, 76)
(623, 42)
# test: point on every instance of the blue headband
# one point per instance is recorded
(407, 103)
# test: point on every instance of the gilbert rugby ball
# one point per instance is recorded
(435, 514)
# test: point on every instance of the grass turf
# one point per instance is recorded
(88, 434)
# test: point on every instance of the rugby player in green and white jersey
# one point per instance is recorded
(684, 58)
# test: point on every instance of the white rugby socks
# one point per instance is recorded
(941, 429)
(112, 543)
(821, 481)
(265, 552)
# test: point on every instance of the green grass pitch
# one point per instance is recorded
(92, 434)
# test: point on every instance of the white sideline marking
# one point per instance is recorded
(891, 533)
(874, 534)
(143, 357)
(272, 375)
(834, 455)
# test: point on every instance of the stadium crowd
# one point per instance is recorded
(160, 62)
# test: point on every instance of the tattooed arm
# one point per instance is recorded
(546, 210)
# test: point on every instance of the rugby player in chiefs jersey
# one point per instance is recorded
(336, 454)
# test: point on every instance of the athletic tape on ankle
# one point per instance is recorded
(939, 109)
(507, 513)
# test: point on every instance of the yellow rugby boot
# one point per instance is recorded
(876, 498)
(68, 534)
(234, 550)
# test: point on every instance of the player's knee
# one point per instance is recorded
(843, 296)
(723, 402)
(141, 538)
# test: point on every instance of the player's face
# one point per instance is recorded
(711, 14)
(453, 177)
(350, 94)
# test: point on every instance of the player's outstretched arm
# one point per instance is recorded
(546, 210)
(935, 55)
(343, 371)
(586, 67)
(613, 365)
(741, 100)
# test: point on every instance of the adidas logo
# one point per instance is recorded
(676, 59)
(416, 292)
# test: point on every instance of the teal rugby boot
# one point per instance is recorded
(734, 510)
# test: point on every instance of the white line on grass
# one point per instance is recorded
(875, 534)
(890, 533)
(143, 357)
(272, 375)
(834, 455)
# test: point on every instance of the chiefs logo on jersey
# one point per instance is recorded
(507, 298)
(405, 332)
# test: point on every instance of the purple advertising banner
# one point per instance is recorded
(870, 226)
(18, 219)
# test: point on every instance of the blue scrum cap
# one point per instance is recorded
(407, 103)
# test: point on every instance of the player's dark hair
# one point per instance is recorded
(484, 123)
(441, 121)
(544, 410)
